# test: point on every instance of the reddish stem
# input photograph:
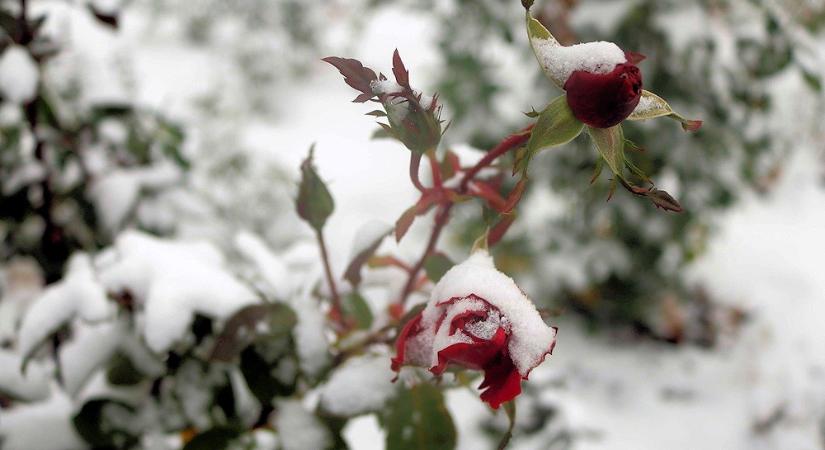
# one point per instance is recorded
(335, 312)
(415, 163)
(443, 216)
(435, 169)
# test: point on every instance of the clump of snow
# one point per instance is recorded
(89, 347)
(361, 385)
(298, 429)
(78, 294)
(272, 268)
(29, 386)
(45, 425)
(369, 233)
(385, 87)
(559, 61)
(173, 281)
(312, 344)
(109, 7)
(115, 193)
(18, 75)
(530, 337)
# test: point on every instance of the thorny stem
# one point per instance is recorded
(335, 312)
(443, 216)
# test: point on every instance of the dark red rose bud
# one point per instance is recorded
(604, 100)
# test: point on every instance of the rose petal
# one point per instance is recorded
(473, 355)
(411, 328)
(604, 100)
(501, 380)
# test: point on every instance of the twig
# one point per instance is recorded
(442, 217)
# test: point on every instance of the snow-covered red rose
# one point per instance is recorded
(602, 82)
(478, 318)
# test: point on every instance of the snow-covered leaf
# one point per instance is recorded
(96, 423)
(299, 429)
(79, 294)
(363, 384)
(268, 320)
(651, 106)
(367, 240)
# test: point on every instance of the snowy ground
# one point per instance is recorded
(763, 388)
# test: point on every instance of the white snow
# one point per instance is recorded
(312, 343)
(45, 425)
(89, 347)
(271, 267)
(18, 75)
(173, 281)
(116, 192)
(298, 429)
(530, 337)
(559, 61)
(369, 233)
(361, 385)
(79, 294)
(385, 87)
(32, 385)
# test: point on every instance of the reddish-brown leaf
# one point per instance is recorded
(402, 75)
(355, 75)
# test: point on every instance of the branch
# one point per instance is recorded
(443, 216)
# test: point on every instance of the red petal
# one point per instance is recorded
(501, 380)
(473, 355)
(604, 100)
(411, 328)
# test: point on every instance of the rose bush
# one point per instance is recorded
(478, 318)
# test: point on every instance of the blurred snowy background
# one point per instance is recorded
(148, 162)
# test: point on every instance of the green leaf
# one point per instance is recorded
(314, 202)
(537, 33)
(556, 126)
(122, 372)
(217, 438)
(610, 144)
(417, 419)
(267, 320)
(436, 265)
(94, 424)
(355, 306)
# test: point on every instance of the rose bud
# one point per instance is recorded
(602, 82)
(479, 319)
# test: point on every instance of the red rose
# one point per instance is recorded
(479, 319)
(603, 100)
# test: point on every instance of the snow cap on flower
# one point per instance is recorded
(602, 82)
(477, 317)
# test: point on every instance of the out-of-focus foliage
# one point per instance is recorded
(72, 173)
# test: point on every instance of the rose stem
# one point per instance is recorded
(442, 217)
